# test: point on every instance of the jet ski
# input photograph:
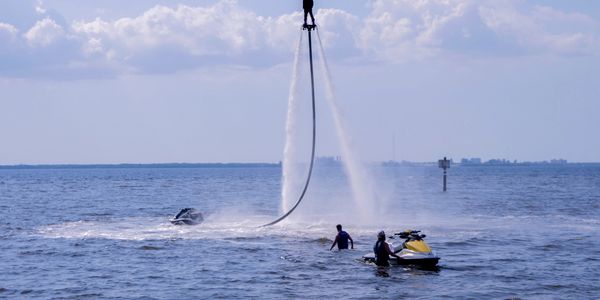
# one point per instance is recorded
(188, 216)
(413, 251)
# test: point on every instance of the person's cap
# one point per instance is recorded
(381, 234)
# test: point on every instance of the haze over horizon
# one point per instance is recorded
(491, 161)
(151, 81)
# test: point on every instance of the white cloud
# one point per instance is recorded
(281, 32)
(224, 31)
(39, 7)
(398, 30)
(543, 29)
(8, 33)
(93, 46)
(44, 33)
(338, 28)
(404, 29)
(165, 39)
(223, 28)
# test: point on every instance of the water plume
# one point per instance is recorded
(327, 202)
(363, 189)
(291, 173)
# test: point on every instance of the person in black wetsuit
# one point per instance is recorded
(341, 239)
(382, 251)
(308, 6)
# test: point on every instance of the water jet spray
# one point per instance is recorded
(309, 29)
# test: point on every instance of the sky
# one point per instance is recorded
(154, 81)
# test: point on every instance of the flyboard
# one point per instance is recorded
(309, 29)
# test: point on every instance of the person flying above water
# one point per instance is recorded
(308, 6)
(382, 251)
(341, 239)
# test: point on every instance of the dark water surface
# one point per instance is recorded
(502, 232)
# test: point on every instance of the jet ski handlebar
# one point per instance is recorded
(410, 234)
(407, 232)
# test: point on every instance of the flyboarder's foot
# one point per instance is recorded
(308, 27)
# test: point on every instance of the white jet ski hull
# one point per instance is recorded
(409, 257)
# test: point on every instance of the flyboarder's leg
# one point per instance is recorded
(311, 16)
(306, 12)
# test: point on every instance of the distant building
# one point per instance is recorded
(390, 163)
(470, 161)
(559, 161)
(498, 162)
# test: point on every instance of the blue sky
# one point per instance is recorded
(207, 81)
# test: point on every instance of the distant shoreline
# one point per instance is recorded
(260, 165)
(142, 166)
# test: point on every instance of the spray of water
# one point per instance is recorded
(337, 207)
(363, 188)
(290, 169)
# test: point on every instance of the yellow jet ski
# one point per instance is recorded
(413, 251)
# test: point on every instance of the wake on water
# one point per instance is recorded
(152, 228)
(225, 225)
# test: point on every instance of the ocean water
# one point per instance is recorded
(530, 232)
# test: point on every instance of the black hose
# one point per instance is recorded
(314, 133)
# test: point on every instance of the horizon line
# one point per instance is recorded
(239, 164)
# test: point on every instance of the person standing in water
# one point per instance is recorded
(341, 239)
(308, 6)
(382, 251)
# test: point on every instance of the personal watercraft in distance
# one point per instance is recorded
(187, 216)
(413, 251)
